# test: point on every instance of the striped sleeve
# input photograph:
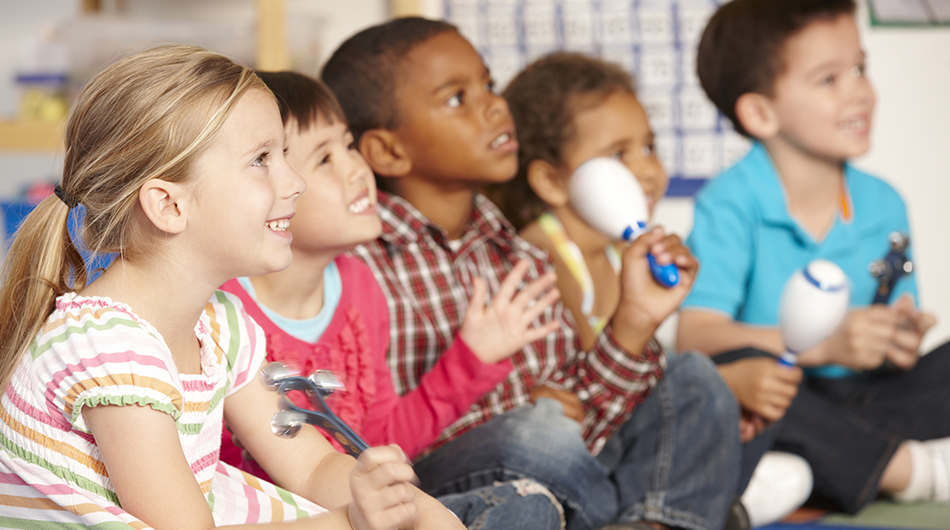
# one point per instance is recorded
(239, 338)
(90, 355)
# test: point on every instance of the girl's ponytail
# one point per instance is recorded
(41, 264)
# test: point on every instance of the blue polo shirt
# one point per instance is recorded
(748, 244)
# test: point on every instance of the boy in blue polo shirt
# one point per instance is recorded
(790, 75)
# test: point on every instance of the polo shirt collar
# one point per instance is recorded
(767, 185)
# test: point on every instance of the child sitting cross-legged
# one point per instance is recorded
(871, 415)
(574, 418)
(326, 311)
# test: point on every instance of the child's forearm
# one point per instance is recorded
(712, 333)
(327, 481)
(415, 420)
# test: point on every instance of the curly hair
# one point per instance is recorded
(544, 99)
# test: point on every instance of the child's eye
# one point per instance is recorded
(351, 146)
(324, 160)
(455, 101)
(490, 86)
(617, 155)
(261, 160)
(857, 70)
(827, 80)
(648, 150)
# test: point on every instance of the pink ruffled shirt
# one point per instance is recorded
(354, 348)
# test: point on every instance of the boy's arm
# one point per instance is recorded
(445, 393)
(457, 380)
(712, 332)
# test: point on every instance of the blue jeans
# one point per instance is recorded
(512, 505)
(675, 461)
(848, 429)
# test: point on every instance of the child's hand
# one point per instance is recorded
(750, 425)
(383, 498)
(762, 386)
(496, 330)
(870, 335)
(644, 304)
(911, 327)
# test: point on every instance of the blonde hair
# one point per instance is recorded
(147, 116)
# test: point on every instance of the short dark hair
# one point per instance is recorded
(741, 47)
(364, 71)
(302, 98)
(544, 99)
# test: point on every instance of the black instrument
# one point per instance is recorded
(891, 267)
(290, 418)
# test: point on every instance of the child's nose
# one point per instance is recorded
(292, 184)
(497, 106)
(359, 170)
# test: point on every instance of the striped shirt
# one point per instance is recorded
(93, 351)
(428, 286)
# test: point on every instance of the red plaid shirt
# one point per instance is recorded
(428, 285)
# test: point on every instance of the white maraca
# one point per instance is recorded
(813, 303)
(608, 197)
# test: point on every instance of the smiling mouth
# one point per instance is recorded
(500, 140)
(855, 125)
(279, 225)
(360, 206)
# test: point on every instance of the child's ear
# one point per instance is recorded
(384, 153)
(161, 201)
(756, 115)
(547, 183)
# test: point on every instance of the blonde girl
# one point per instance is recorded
(115, 392)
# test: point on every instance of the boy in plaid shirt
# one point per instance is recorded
(420, 103)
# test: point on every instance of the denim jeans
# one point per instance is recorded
(513, 505)
(675, 461)
(848, 429)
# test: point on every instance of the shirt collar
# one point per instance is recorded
(765, 183)
(403, 223)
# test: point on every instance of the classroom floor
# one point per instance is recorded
(882, 514)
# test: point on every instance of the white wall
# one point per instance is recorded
(331, 22)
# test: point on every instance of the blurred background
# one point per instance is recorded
(49, 48)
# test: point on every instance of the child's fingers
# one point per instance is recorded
(533, 290)
(540, 306)
(510, 284)
(478, 293)
(538, 333)
(389, 458)
(370, 514)
(395, 516)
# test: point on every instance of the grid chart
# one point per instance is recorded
(655, 40)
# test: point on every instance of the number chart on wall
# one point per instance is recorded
(655, 40)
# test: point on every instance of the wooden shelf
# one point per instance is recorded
(272, 54)
(34, 137)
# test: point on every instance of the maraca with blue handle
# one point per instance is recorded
(608, 197)
(813, 303)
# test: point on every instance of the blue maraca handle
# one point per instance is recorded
(665, 275)
(788, 360)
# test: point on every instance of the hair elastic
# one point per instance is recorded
(70, 201)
